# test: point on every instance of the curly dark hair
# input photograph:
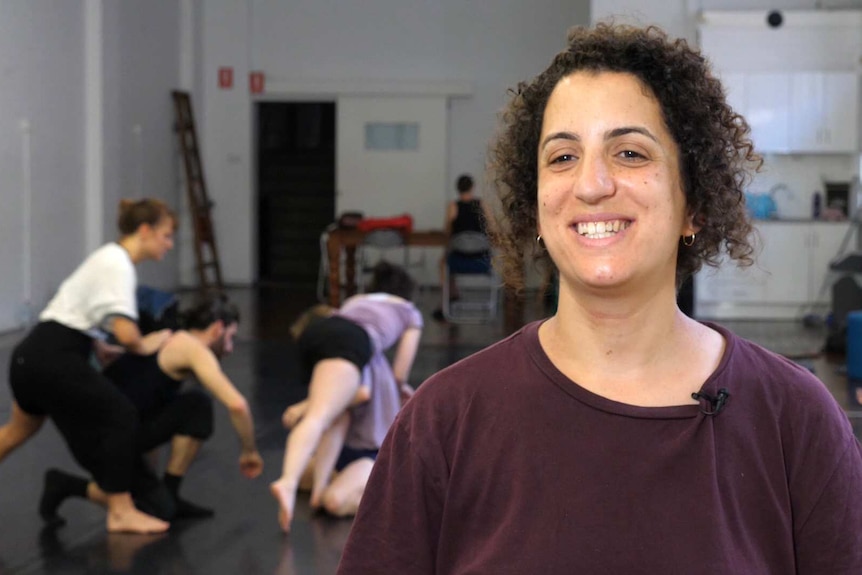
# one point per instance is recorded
(716, 154)
(209, 310)
(391, 279)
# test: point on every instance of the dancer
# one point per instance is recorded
(50, 373)
(353, 396)
(182, 418)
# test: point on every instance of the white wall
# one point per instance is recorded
(141, 157)
(420, 173)
(489, 45)
(43, 63)
(224, 126)
(190, 80)
(676, 17)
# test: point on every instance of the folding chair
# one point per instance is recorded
(374, 247)
(474, 278)
(323, 268)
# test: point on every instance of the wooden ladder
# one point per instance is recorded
(200, 206)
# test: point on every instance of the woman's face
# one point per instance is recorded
(611, 208)
(158, 239)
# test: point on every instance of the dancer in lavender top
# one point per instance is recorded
(354, 394)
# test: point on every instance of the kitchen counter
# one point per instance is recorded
(792, 267)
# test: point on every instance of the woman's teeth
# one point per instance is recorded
(598, 230)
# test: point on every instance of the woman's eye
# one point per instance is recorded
(562, 158)
(631, 155)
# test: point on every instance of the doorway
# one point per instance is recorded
(296, 189)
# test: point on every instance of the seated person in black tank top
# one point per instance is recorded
(466, 214)
(167, 414)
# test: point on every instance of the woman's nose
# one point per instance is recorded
(595, 179)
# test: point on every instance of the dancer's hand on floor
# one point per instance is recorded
(250, 464)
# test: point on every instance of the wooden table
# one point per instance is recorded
(347, 240)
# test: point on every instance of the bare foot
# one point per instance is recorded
(134, 521)
(315, 500)
(286, 498)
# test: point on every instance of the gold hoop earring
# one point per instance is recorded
(688, 241)
(539, 242)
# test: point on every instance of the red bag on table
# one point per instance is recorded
(403, 224)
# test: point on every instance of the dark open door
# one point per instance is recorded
(296, 189)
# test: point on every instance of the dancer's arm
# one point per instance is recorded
(187, 352)
(129, 336)
(405, 354)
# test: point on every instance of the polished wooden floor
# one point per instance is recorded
(243, 537)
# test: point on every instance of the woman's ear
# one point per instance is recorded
(144, 230)
(693, 224)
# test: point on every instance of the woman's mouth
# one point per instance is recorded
(600, 230)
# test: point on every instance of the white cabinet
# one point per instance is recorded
(768, 111)
(727, 285)
(827, 240)
(786, 260)
(788, 277)
(735, 87)
(825, 112)
(798, 112)
(764, 100)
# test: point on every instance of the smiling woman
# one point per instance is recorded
(609, 161)
(619, 435)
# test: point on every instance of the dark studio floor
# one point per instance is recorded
(244, 537)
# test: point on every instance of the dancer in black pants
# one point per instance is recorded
(50, 373)
(167, 414)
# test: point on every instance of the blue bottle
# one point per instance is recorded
(854, 345)
(815, 208)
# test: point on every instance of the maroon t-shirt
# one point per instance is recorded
(502, 465)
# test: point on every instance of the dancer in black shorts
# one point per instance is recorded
(354, 393)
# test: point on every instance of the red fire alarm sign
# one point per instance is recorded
(255, 82)
(225, 77)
